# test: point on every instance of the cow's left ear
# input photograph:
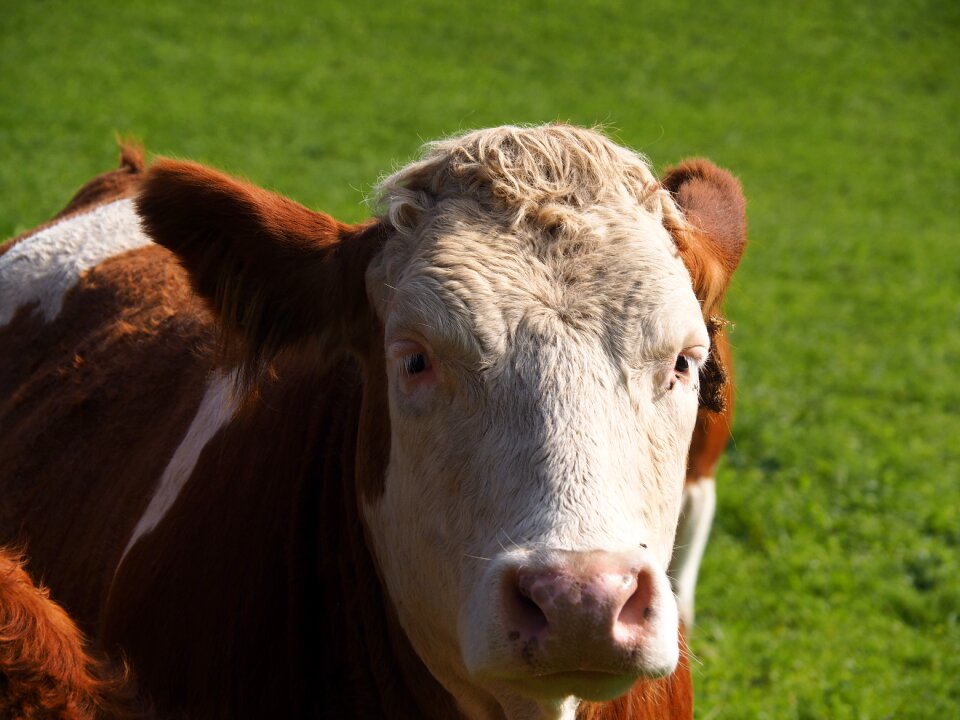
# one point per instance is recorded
(711, 240)
(274, 273)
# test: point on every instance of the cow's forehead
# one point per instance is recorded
(606, 272)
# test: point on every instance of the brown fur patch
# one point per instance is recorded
(669, 698)
(712, 239)
(374, 422)
(263, 560)
(275, 273)
(711, 242)
(46, 672)
(92, 407)
(714, 424)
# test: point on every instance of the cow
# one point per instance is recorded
(430, 465)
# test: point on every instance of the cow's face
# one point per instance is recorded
(543, 388)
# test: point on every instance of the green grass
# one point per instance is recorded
(831, 588)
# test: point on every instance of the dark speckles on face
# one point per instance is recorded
(529, 647)
(529, 651)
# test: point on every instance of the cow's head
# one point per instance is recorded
(533, 309)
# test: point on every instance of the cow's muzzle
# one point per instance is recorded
(582, 623)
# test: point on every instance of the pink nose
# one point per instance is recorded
(586, 611)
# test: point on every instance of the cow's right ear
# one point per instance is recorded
(274, 273)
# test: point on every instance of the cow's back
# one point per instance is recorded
(104, 353)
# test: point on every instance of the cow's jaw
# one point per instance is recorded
(536, 464)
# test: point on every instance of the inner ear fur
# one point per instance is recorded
(274, 273)
(711, 242)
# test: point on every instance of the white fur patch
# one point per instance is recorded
(217, 408)
(44, 267)
(696, 517)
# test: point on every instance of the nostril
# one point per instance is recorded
(524, 616)
(638, 609)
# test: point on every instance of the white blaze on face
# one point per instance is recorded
(537, 412)
(43, 267)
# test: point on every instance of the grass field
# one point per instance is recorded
(831, 588)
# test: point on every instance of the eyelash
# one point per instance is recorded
(414, 364)
(685, 368)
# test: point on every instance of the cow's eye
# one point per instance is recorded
(415, 364)
(416, 374)
(686, 365)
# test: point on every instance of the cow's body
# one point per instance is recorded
(221, 541)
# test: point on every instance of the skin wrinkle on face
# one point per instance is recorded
(471, 286)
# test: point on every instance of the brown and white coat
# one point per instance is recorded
(430, 465)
